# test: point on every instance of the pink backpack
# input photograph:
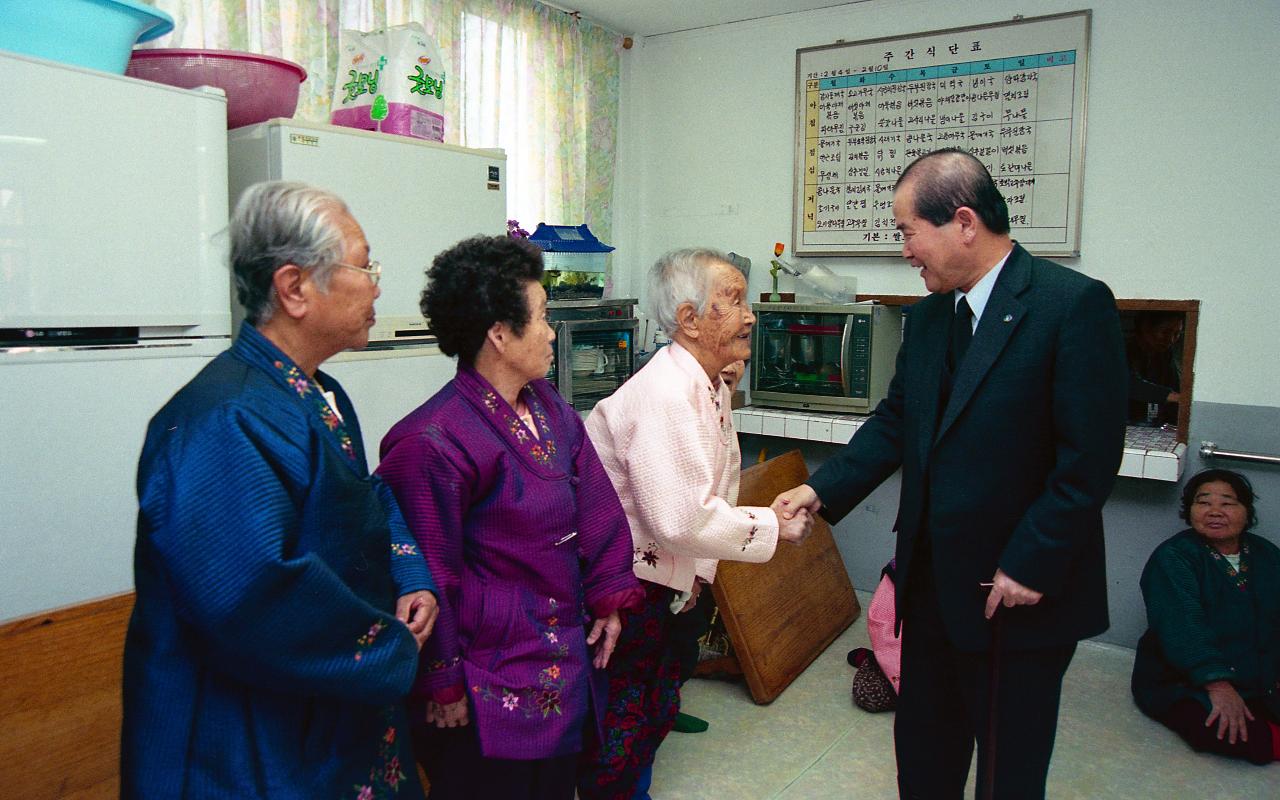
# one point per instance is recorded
(880, 623)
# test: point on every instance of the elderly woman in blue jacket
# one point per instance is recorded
(1209, 664)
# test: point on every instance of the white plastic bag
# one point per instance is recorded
(391, 80)
(821, 284)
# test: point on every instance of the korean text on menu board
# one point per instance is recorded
(1012, 94)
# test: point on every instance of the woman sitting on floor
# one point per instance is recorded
(1209, 664)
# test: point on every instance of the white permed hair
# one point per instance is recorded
(681, 276)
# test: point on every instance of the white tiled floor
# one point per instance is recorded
(812, 743)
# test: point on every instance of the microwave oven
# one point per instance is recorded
(836, 358)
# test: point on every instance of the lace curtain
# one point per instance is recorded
(527, 78)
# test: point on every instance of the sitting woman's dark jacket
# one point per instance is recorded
(1212, 648)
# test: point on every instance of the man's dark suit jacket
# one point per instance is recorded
(1014, 471)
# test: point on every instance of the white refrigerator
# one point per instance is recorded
(413, 199)
(113, 293)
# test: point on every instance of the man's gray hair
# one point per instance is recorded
(681, 276)
(277, 223)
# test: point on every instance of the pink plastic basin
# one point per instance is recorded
(258, 87)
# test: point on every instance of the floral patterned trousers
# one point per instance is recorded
(644, 696)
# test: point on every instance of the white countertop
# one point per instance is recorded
(1149, 453)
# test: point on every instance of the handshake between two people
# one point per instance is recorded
(796, 509)
(802, 503)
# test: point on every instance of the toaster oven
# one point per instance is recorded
(824, 357)
(595, 348)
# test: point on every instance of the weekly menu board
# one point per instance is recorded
(1012, 93)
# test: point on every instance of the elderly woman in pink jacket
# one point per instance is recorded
(666, 439)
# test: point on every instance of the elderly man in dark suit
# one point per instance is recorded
(1006, 416)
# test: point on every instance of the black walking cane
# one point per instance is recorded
(988, 790)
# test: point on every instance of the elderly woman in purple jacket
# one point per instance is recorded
(524, 534)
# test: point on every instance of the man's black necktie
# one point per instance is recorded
(957, 344)
(961, 334)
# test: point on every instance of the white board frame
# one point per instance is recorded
(851, 65)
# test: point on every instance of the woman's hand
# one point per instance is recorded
(610, 627)
(447, 715)
(418, 610)
(796, 529)
(1229, 711)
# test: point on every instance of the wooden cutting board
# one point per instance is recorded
(782, 614)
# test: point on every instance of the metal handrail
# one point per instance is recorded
(1210, 450)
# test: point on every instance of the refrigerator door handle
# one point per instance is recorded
(88, 348)
(24, 354)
